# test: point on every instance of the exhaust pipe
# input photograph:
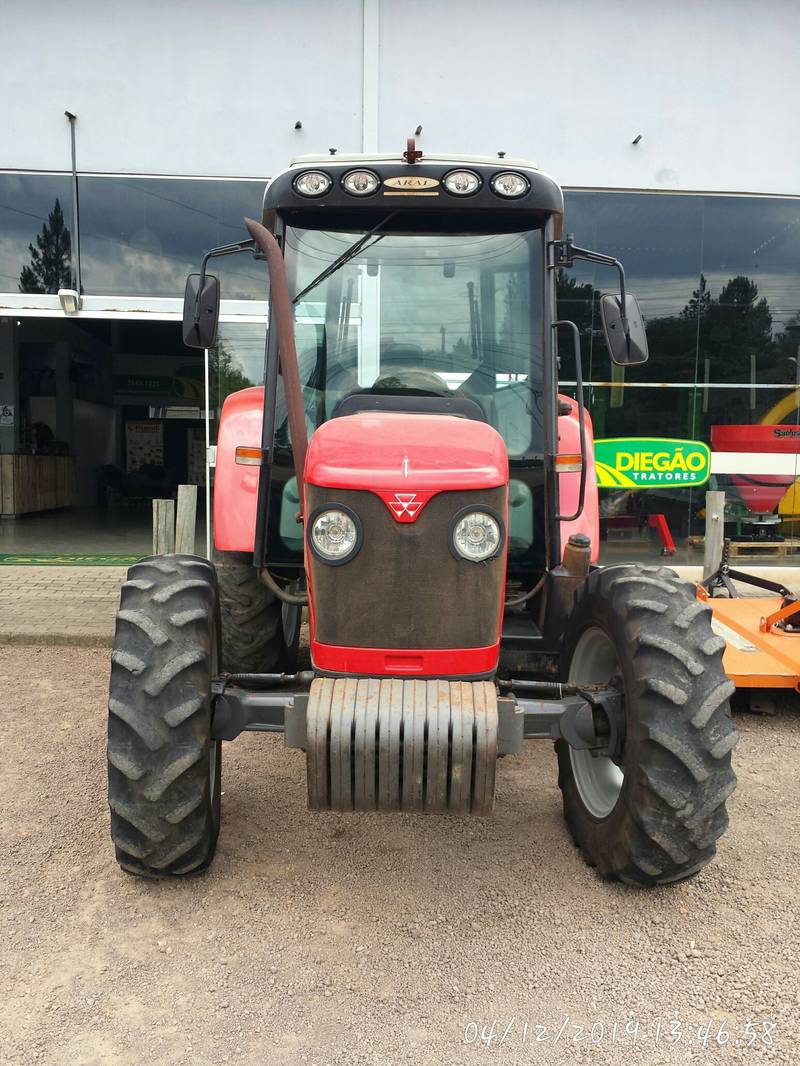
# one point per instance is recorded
(287, 353)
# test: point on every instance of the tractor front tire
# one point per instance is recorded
(259, 633)
(654, 816)
(163, 766)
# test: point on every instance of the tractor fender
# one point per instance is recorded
(569, 441)
(236, 486)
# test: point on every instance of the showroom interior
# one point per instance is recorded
(104, 410)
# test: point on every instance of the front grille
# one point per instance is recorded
(405, 589)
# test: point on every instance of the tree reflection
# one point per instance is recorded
(50, 268)
(225, 373)
(727, 339)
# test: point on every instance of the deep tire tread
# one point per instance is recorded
(252, 622)
(164, 806)
(677, 761)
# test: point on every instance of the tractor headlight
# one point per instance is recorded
(312, 183)
(360, 182)
(461, 182)
(510, 185)
(476, 535)
(335, 534)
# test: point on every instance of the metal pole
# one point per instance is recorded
(76, 240)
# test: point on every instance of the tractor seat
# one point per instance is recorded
(409, 389)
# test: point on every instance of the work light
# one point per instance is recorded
(360, 182)
(335, 535)
(461, 182)
(510, 185)
(476, 536)
(312, 183)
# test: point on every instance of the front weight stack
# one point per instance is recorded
(393, 745)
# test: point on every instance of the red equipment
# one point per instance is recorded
(761, 493)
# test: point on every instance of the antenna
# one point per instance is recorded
(412, 153)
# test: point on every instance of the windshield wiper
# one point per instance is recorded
(345, 257)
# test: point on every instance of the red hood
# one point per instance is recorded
(382, 452)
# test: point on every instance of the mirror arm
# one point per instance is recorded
(622, 300)
(216, 253)
(567, 253)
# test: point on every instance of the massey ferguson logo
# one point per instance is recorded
(405, 504)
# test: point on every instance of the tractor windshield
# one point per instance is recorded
(429, 314)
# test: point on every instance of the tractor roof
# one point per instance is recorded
(428, 201)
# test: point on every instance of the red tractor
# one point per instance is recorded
(409, 470)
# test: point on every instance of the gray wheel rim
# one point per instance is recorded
(291, 618)
(598, 779)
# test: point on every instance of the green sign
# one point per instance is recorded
(186, 384)
(143, 385)
(651, 463)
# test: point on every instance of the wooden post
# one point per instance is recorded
(186, 520)
(715, 532)
(163, 527)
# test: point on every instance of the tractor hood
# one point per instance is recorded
(396, 452)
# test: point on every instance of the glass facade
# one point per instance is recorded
(142, 236)
(36, 228)
(717, 277)
(718, 281)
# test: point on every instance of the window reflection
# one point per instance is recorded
(235, 362)
(35, 233)
(719, 283)
(142, 236)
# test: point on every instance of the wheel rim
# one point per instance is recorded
(291, 617)
(598, 778)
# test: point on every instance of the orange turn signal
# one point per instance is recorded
(569, 464)
(249, 456)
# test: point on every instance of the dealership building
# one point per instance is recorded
(133, 138)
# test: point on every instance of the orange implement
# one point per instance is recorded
(758, 654)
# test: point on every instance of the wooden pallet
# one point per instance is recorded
(788, 546)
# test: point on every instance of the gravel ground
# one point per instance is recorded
(326, 939)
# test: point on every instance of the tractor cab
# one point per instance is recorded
(410, 474)
(424, 291)
(427, 283)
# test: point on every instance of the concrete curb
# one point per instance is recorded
(48, 640)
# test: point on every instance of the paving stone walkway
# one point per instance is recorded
(77, 604)
(59, 604)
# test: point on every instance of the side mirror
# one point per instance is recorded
(200, 311)
(630, 350)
